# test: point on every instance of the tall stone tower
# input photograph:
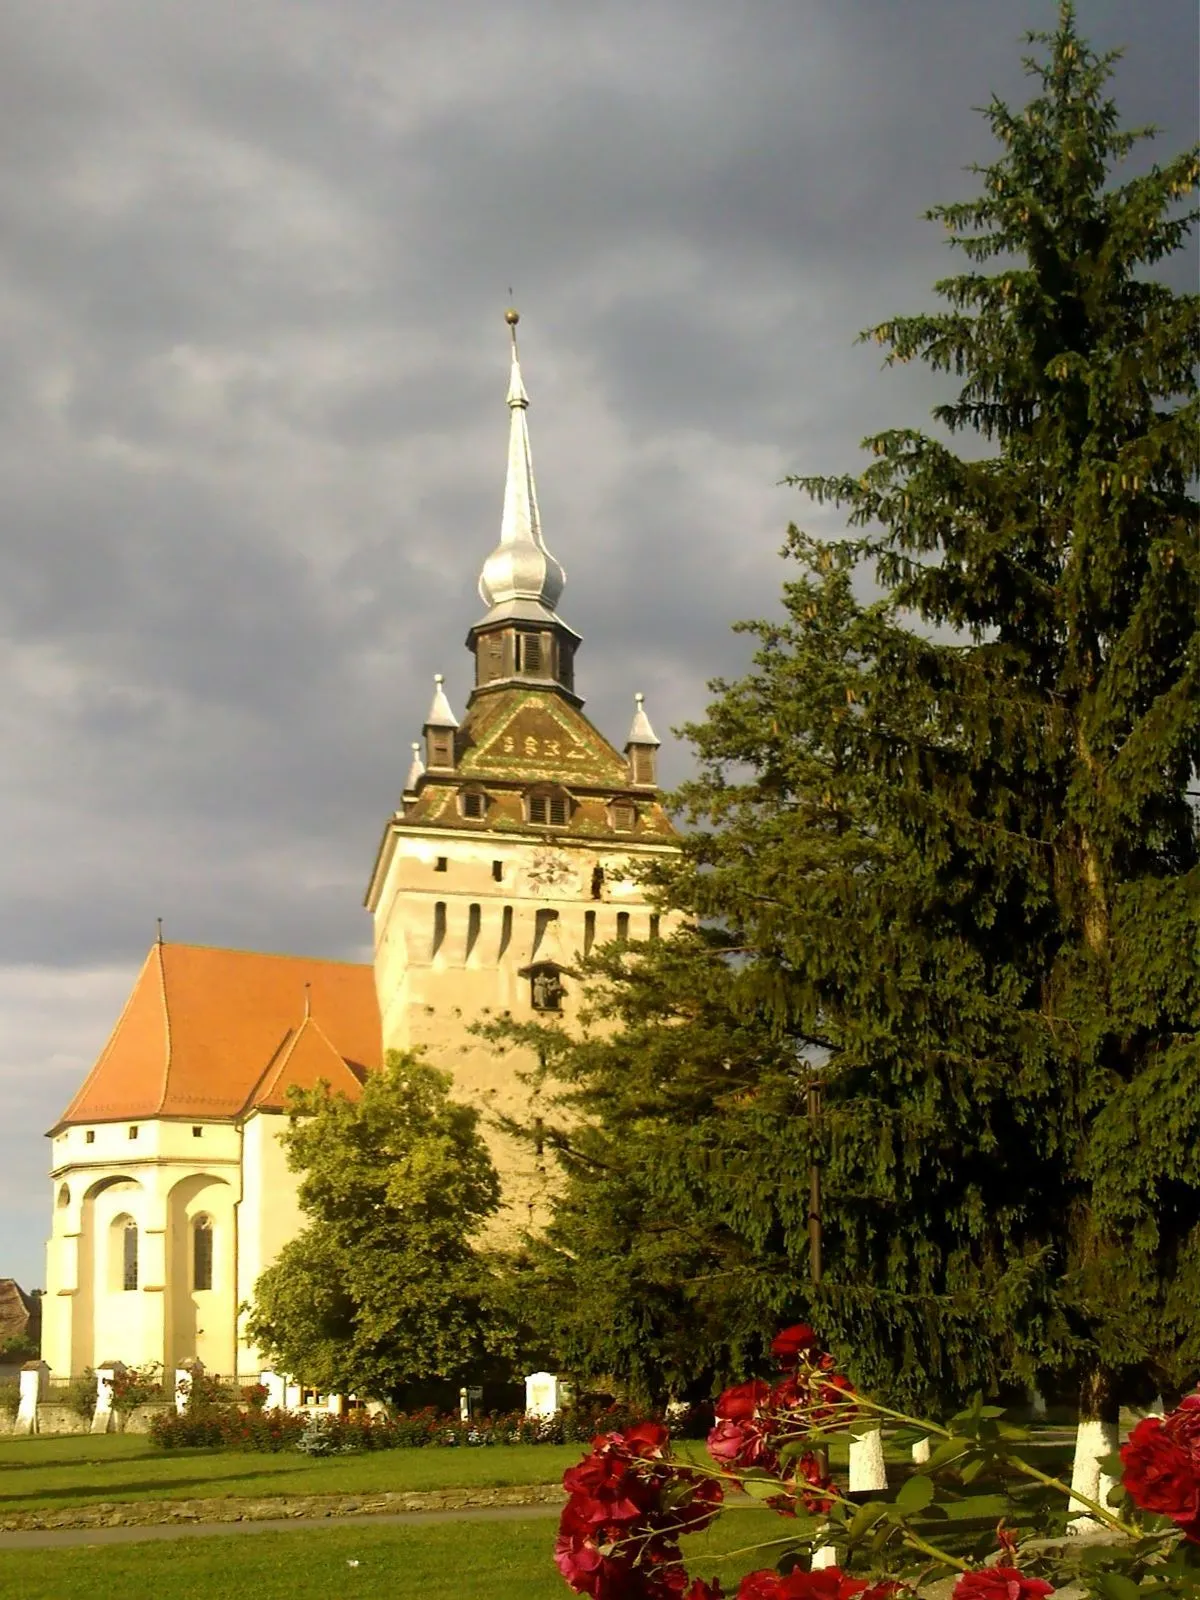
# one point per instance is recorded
(511, 853)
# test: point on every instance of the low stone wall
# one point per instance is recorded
(56, 1416)
(134, 1514)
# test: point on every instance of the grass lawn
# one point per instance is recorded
(50, 1473)
(491, 1560)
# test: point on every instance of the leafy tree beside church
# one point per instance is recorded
(386, 1285)
(948, 837)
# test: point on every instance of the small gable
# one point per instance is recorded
(536, 736)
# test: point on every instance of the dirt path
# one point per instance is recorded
(61, 1538)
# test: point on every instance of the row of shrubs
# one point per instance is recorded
(231, 1427)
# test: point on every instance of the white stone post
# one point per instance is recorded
(1093, 1441)
(276, 1386)
(33, 1385)
(542, 1397)
(867, 1470)
(291, 1396)
(102, 1417)
(333, 1404)
(921, 1452)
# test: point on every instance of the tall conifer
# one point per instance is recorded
(950, 833)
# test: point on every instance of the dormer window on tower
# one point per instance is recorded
(473, 804)
(548, 807)
(622, 814)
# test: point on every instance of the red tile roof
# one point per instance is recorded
(213, 1033)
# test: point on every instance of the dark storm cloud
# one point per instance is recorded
(252, 429)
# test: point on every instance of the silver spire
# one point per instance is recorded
(520, 578)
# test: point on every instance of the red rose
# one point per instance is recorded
(1161, 1459)
(705, 1591)
(1000, 1583)
(743, 1401)
(787, 1346)
(741, 1444)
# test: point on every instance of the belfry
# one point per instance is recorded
(512, 852)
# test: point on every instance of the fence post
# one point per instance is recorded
(34, 1382)
(102, 1416)
(185, 1375)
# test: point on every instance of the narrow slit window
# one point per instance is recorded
(589, 931)
(506, 926)
(597, 882)
(498, 871)
(90, 1136)
(622, 927)
(654, 925)
(133, 1133)
(202, 1253)
(129, 1256)
(474, 923)
(439, 926)
(441, 864)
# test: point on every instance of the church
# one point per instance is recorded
(513, 851)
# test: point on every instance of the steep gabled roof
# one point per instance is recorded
(205, 1032)
(307, 1058)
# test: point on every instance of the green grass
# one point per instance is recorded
(44, 1474)
(489, 1560)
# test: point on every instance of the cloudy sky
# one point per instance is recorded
(254, 256)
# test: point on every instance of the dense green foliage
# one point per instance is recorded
(384, 1287)
(949, 837)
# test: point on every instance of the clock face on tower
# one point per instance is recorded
(550, 872)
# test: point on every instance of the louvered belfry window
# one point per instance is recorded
(474, 804)
(529, 647)
(549, 810)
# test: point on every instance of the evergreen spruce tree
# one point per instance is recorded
(950, 837)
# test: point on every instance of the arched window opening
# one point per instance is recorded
(506, 930)
(202, 1253)
(129, 1256)
(622, 927)
(439, 926)
(64, 1196)
(474, 923)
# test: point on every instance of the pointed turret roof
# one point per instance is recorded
(416, 770)
(440, 714)
(640, 731)
(520, 579)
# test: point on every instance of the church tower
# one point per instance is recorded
(511, 853)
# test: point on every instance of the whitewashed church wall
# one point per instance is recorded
(269, 1215)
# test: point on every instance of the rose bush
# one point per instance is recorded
(629, 1502)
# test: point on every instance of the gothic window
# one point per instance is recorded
(546, 990)
(129, 1256)
(202, 1253)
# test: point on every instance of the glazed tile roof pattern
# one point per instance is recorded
(215, 1033)
(513, 738)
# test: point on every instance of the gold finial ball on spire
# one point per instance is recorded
(512, 316)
